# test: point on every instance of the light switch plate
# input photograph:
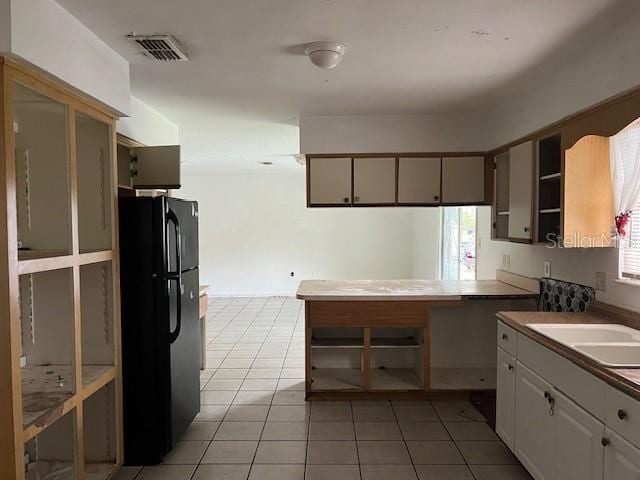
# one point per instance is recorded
(601, 281)
(547, 270)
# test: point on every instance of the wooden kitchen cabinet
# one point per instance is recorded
(374, 181)
(419, 180)
(329, 181)
(463, 180)
(521, 162)
(506, 398)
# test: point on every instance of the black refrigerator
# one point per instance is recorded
(160, 324)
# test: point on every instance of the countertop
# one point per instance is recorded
(624, 379)
(203, 289)
(407, 290)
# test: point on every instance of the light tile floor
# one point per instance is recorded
(256, 425)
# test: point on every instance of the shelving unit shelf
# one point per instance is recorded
(60, 405)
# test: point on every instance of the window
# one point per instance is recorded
(459, 243)
(629, 143)
(631, 249)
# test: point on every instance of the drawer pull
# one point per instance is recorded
(552, 403)
(605, 441)
(510, 367)
(505, 337)
(622, 414)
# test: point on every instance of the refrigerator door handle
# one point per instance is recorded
(173, 218)
(173, 336)
(177, 275)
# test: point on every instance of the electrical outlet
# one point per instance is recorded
(601, 281)
(547, 270)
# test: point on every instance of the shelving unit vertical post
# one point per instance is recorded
(60, 401)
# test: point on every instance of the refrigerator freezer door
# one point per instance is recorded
(185, 356)
(187, 218)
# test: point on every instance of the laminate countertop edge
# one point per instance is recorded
(627, 380)
(407, 290)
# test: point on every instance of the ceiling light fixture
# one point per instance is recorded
(325, 55)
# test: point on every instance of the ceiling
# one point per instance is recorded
(238, 99)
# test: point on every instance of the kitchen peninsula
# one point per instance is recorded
(405, 338)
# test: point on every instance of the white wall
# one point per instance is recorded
(255, 229)
(601, 69)
(5, 25)
(393, 133)
(46, 35)
(147, 126)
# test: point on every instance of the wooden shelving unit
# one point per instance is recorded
(60, 405)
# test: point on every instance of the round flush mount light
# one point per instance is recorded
(325, 55)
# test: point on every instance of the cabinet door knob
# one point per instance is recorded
(357, 199)
(505, 336)
(345, 199)
(436, 197)
(605, 441)
(510, 367)
(622, 414)
(526, 229)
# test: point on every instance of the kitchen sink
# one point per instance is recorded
(615, 356)
(611, 345)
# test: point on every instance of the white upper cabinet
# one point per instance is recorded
(419, 180)
(374, 181)
(521, 163)
(463, 180)
(329, 181)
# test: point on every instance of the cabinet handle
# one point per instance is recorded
(622, 414)
(357, 199)
(552, 403)
(526, 229)
(510, 367)
(345, 199)
(436, 197)
(605, 441)
(505, 337)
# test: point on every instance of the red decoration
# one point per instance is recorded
(622, 220)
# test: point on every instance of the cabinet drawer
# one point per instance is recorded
(578, 384)
(623, 415)
(507, 339)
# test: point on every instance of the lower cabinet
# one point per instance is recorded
(553, 436)
(535, 443)
(506, 398)
(621, 459)
(578, 438)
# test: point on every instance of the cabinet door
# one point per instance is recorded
(520, 190)
(156, 167)
(535, 438)
(579, 450)
(419, 180)
(463, 180)
(374, 181)
(621, 459)
(329, 181)
(506, 398)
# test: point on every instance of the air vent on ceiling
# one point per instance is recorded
(163, 48)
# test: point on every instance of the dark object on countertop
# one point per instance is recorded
(560, 296)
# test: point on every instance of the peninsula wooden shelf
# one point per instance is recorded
(405, 339)
(60, 405)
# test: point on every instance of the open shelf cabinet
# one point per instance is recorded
(60, 405)
(367, 359)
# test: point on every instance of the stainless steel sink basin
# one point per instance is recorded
(611, 345)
